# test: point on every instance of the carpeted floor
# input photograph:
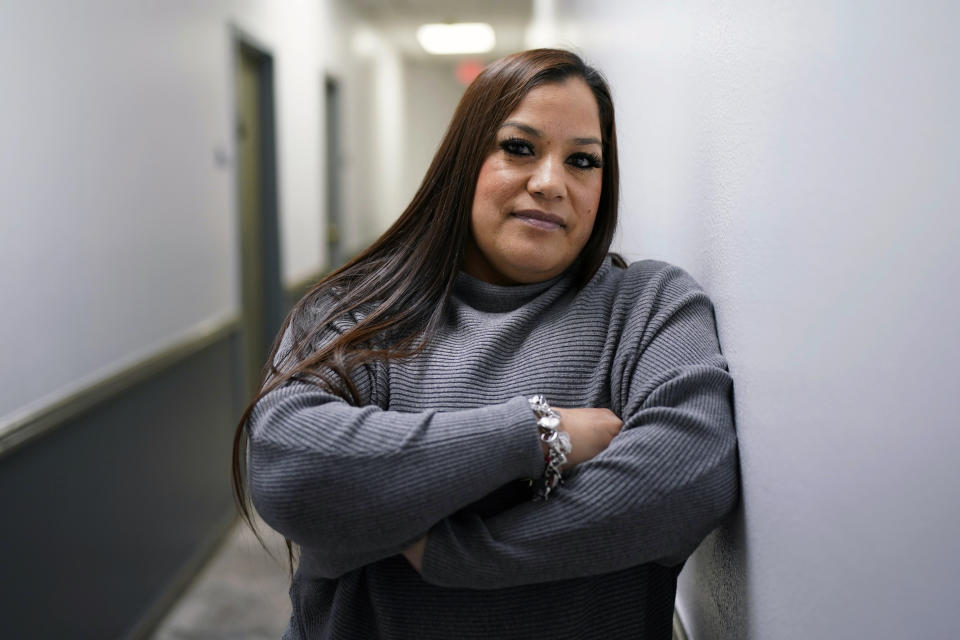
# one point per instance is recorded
(240, 594)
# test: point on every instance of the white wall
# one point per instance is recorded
(388, 131)
(431, 94)
(374, 142)
(800, 159)
(118, 232)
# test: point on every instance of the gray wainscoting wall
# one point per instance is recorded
(115, 497)
(109, 512)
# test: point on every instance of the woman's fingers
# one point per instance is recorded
(590, 431)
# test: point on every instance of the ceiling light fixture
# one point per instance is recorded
(458, 37)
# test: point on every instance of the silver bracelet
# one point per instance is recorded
(558, 444)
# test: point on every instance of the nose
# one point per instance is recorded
(546, 181)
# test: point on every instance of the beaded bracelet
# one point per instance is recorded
(558, 444)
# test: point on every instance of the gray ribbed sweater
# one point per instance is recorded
(443, 442)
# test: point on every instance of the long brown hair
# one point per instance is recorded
(402, 281)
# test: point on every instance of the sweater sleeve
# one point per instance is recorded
(358, 484)
(663, 483)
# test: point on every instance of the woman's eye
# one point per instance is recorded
(517, 147)
(585, 161)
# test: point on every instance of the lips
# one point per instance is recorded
(540, 219)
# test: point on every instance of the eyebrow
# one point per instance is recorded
(536, 133)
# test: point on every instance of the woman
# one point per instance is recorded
(396, 440)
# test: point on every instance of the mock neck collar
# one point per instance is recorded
(495, 298)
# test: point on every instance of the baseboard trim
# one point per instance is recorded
(184, 577)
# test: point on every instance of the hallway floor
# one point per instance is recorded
(241, 593)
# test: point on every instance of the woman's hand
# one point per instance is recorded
(414, 553)
(590, 431)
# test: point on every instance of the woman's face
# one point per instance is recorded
(539, 187)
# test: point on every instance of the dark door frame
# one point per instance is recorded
(254, 347)
(334, 160)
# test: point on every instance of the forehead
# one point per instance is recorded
(560, 105)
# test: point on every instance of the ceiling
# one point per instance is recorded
(445, 10)
(399, 19)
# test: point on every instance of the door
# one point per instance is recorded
(261, 293)
(334, 161)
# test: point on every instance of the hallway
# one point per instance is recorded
(174, 176)
(240, 593)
